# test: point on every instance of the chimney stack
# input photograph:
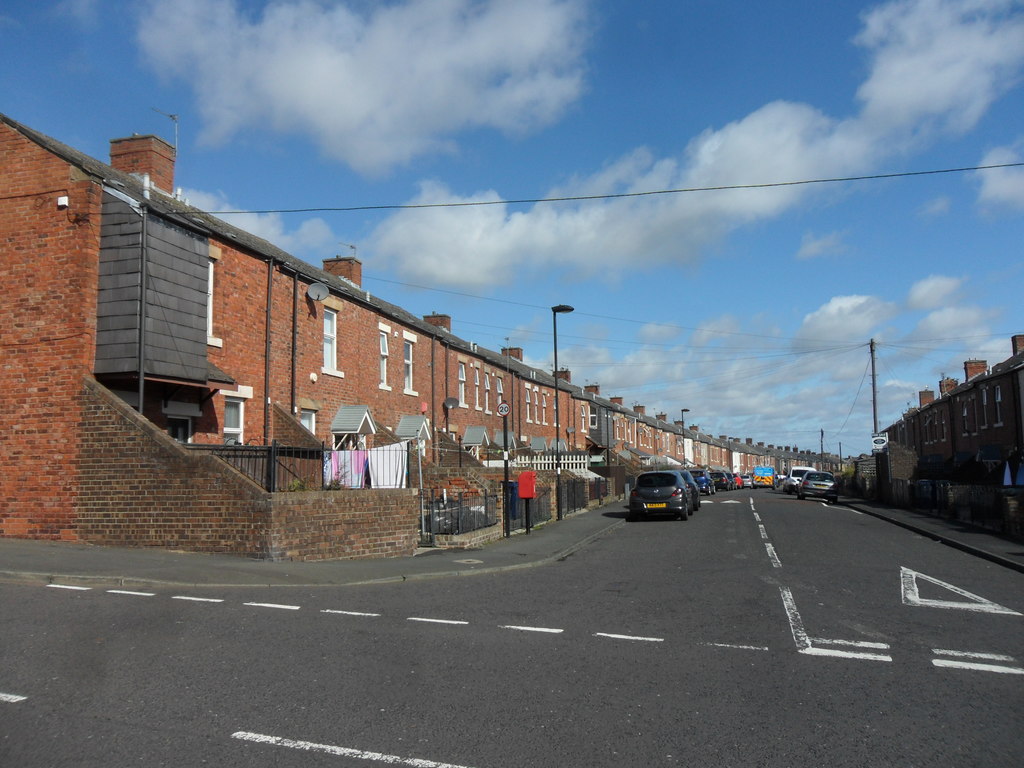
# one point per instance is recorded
(592, 389)
(640, 409)
(973, 368)
(925, 397)
(1018, 343)
(444, 322)
(145, 155)
(947, 385)
(564, 375)
(616, 400)
(348, 267)
(516, 353)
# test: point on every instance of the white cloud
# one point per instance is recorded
(813, 246)
(938, 64)
(851, 318)
(373, 89)
(310, 240)
(963, 55)
(1003, 187)
(940, 206)
(933, 291)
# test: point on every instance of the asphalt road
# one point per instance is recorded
(764, 631)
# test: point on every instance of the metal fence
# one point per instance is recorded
(455, 513)
(273, 467)
(538, 509)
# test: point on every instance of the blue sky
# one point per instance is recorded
(751, 307)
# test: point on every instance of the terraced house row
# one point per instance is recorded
(135, 325)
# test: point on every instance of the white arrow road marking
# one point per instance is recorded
(731, 501)
(330, 749)
(911, 596)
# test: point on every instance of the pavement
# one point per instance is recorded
(70, 563)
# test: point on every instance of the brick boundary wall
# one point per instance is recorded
(140, 488)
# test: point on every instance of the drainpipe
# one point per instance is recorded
(266, 354)
(295, 335)
(143, 280)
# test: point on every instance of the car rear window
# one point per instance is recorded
(819, 476)
(655, 480)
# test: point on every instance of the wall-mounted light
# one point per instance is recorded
(63, 203)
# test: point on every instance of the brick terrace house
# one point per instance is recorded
(972, 429)
(236, 341)
(134, 323)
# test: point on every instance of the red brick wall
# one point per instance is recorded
(141, 488)
(48, 284)
(351, 524)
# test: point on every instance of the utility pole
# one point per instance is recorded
(822, 449)
(874, 391)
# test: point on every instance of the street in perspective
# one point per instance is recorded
(764, 630)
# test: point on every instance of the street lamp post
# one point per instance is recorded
(557, 310)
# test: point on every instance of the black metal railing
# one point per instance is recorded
(273, 467)
(456, 513)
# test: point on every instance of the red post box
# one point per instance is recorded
(527, 485)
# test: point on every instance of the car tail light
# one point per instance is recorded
(677, 492)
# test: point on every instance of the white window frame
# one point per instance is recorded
(408, 348)
(984, 408)
(330, 366)
(307, 417)
(235, 432)
(211, 340)
(487, 392)
(529, 414)
(476, 387)
(384, 353)
(997, 398)
(462, 385)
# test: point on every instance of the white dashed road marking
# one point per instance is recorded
(274, 605)
(358, 754)
(630, 637)
(437, 621)
(11, 698)
(549, 630)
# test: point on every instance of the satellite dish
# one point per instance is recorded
(318, 291)
(450, 402)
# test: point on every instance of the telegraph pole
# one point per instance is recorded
(874, 391)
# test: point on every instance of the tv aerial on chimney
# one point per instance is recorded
(174, 119)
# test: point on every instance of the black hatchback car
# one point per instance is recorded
(659, 493)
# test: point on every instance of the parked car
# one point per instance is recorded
(659, 493)
(704, 481)
(820, 485)
(723, 481)
(796, 474)
(748, 481)
(691, 481)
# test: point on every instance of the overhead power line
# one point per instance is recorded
(613, 196)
